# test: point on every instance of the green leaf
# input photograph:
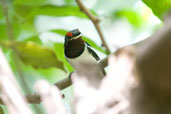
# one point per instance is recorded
(94, 45)
(15, 26)
(51, 10)
(34, 38)
(59, 49)
(1, 14)
(28, 33)
(16, 29)
(159, 7)
(132, 16)
(29, 2)
(35, 55)
(51, 74)
(69, 1)
(59, 31)
(1, 110)
(23, 10)
(3, 32)
(63, 32)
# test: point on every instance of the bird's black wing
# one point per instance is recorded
(92, 52)
(95, 56)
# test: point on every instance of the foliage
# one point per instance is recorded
(35, 55)
(132, 16)
(39, 27)
(159, 7)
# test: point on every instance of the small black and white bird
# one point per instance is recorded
(77, 50)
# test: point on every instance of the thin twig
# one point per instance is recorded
(95, 21)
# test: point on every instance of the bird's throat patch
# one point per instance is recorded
(74, 48)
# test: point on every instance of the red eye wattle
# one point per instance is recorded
(69, 34)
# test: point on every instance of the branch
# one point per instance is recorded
(64, 83)
(95, 21)
(35, 98)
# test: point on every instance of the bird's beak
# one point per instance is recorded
(76, 37)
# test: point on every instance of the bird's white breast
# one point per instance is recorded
(85, 57)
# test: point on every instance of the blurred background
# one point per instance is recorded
(45, 22)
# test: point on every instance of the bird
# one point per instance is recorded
(76, 50)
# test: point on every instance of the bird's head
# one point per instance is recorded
(73, 35)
